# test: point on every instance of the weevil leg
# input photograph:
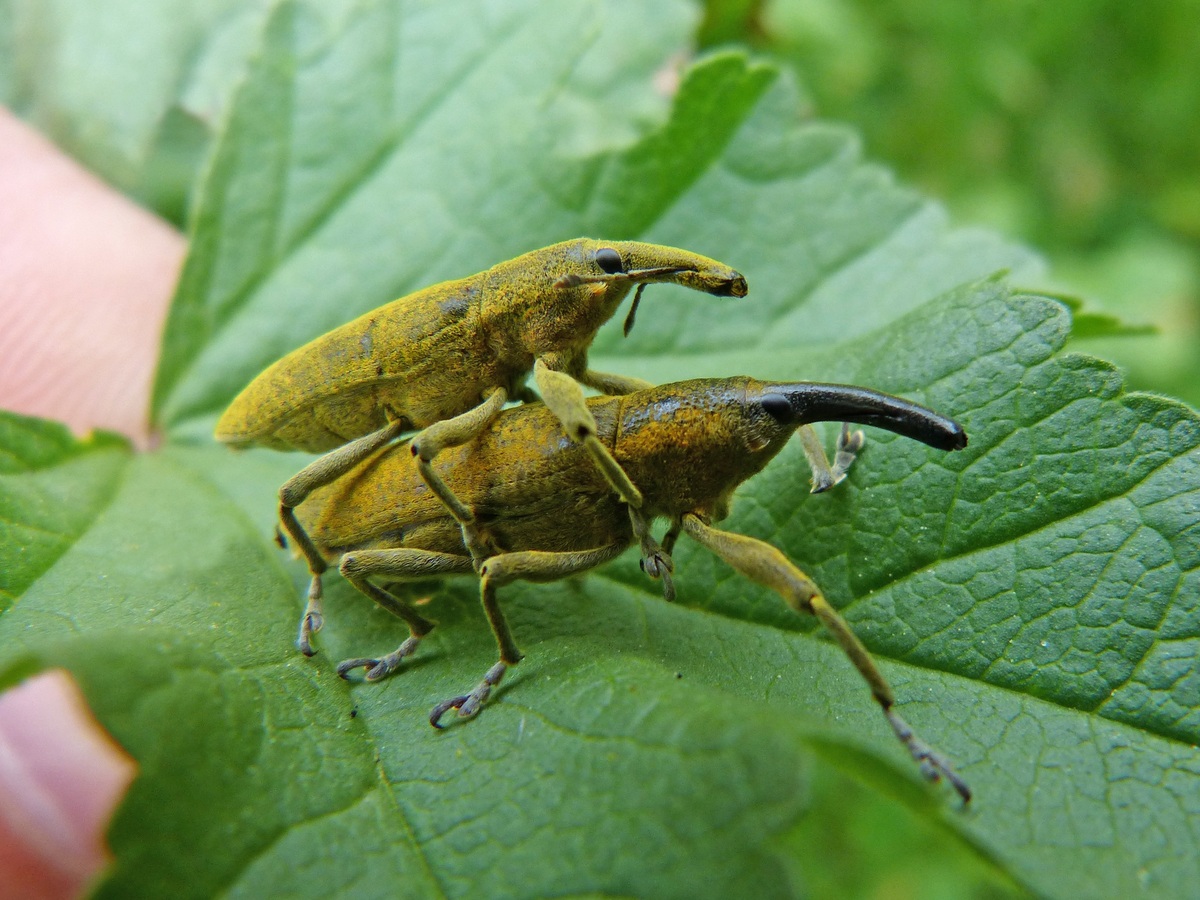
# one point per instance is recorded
(469, 704)
(400, 564)
(931, 763)
(613, 385)
(316, 474)
(439, 436)
(849, 443)
(656, 560)
(825, 476)
(672, 535)
(761, 562)
(564, 396)
(502, 569)
(314, 616)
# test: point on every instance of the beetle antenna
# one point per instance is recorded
(637, 298)
(641, 276)
(574, 280)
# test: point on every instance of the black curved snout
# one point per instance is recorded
(815, 402)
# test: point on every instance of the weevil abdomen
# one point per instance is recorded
(420, 358)
(522, 477)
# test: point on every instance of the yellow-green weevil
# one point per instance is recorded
(446, 359)
(550, 514)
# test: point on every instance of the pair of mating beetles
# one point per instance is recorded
(545, 489)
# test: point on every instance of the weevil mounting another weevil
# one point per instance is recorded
(549, 512)
(445, 360)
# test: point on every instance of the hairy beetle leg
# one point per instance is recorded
(564, 396)
(380, 668)
(825, 476)
(660, 565)
(848, 444)
(313, 618)
(761, 562)
(656, 560)
(451, 433)
(318, 473)
(932, 764)
(397, 564)
(469, 704)
(526, 565)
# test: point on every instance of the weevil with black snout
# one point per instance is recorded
(548, 512)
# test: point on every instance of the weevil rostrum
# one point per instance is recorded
(445, 360)
(550, 513)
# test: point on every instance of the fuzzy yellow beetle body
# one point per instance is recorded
(549, 513)
(445, 360)
(437, 353)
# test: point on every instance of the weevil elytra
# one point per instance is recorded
(445, 360)
(550, 513)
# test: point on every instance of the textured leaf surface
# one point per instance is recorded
(1033, 599)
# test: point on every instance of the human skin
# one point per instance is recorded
(85, 279)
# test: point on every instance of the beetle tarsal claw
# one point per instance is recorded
(849, 443)
(668, 586)
(313, 618)
(823, 482)
(435, 717)
(382, 667)
(469, 704)
(657, 563)
(310, 624)
(932, 764)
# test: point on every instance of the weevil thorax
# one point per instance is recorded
(689, 445)
(528, 313)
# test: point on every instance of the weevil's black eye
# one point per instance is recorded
(609, 260)
(778, 406)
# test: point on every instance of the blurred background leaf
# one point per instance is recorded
(136, 91)
(1072, 125)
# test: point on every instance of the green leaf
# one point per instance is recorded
(1088, 323)
(1032, 599)
(51, 488)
